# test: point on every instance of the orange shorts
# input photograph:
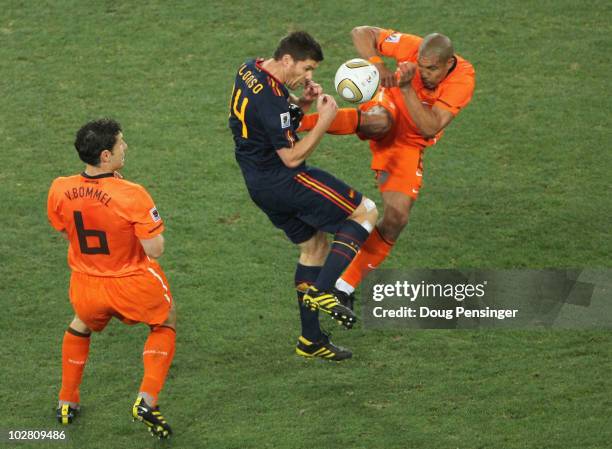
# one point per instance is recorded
(397, 161)
(141, 298)
(401, 173)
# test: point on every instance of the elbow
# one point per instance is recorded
(159, 249)
(364, 32)
(292, 163)
(429, 132)
(430, 127)
(154, 248)
(288, 159)
(155, 253)
(359, 30)
(158, 253)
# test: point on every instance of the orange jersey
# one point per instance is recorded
(104, 218)
(452, 94)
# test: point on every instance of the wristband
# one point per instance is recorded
(375, 59)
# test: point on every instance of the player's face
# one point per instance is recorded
(432, 70)
(298, 72)
(117, 157)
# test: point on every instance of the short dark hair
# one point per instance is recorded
(300, 46)
(95, 137)
(438, 45)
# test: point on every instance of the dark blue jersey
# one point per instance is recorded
(261, 124)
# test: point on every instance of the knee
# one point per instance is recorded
(366, 211)
(375, 123)
(371, 210)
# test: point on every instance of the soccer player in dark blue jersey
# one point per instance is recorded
(305, 202)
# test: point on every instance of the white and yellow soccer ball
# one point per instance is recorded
(357, 80)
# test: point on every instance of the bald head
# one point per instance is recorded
(436, 45)
(435, 59)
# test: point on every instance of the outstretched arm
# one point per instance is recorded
(364, 40)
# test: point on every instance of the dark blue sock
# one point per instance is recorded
(304, 277)
(344, 248)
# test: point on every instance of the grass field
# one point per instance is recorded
(521, 179)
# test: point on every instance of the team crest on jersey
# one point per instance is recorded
(154, 214)
(394, 38)
(285, 120)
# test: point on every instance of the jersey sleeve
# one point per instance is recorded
(144, 215)
(402, 47)
(456, 94)
(276, 120)
(53, 208)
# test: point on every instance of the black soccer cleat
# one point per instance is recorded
(329, 303)
(66, 414)
(323, 349)
(345, 299)
(151, 416)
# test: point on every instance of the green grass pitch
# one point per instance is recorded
(521, 179)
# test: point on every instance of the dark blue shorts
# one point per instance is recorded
(309, 201)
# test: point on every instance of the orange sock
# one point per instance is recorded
(370, 256)
(157, 357)
(75, 349)
(346, 122)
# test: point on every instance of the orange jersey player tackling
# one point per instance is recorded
(397, 154)
(430, 87)
(114, 231)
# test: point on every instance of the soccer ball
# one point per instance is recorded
(357, 80)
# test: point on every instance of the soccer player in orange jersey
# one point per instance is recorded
(431, 86)
(115, 235)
